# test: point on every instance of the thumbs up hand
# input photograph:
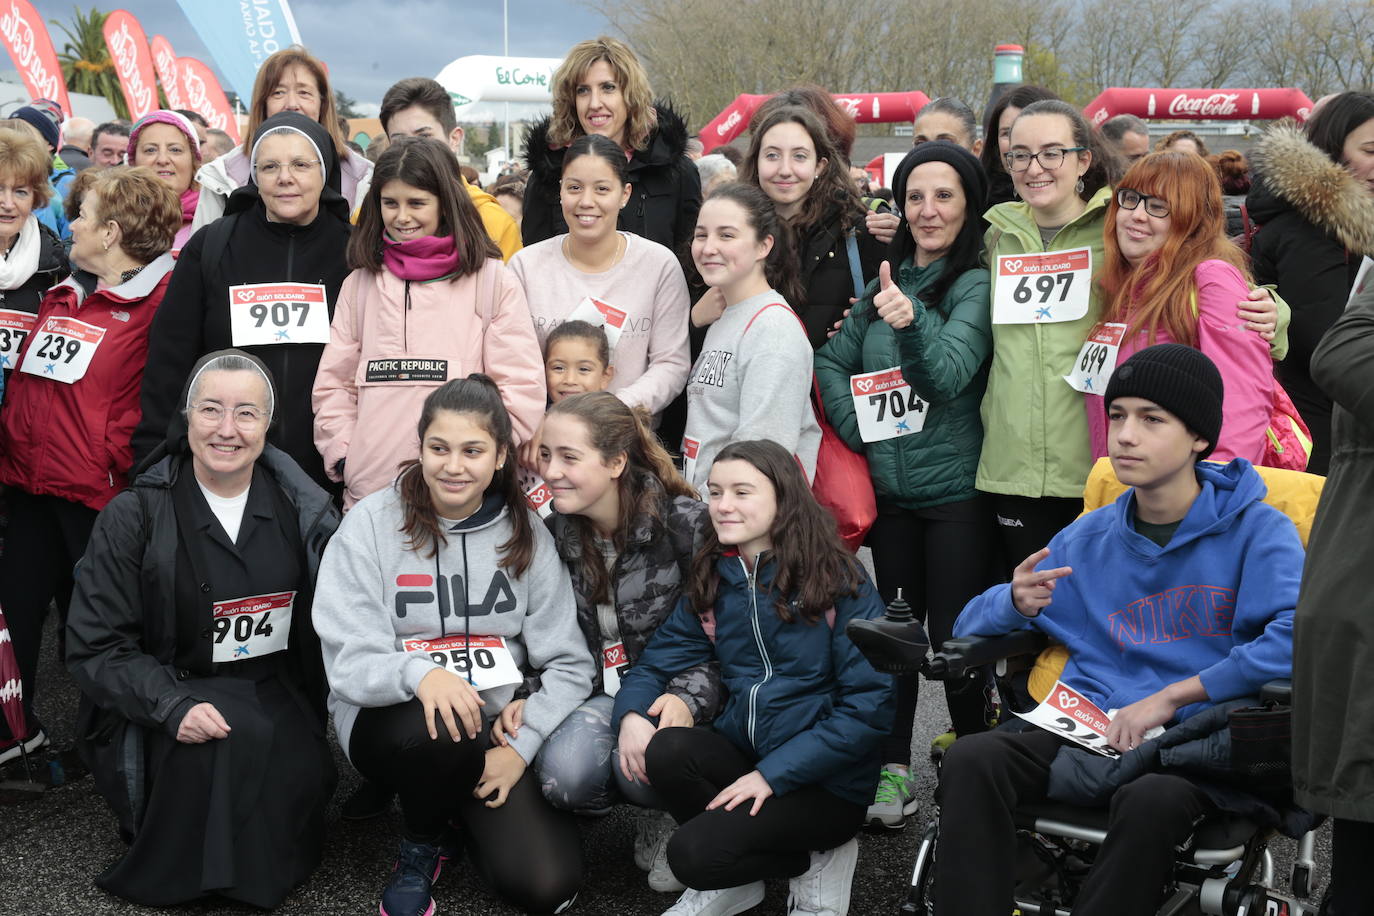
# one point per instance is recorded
(893, 307)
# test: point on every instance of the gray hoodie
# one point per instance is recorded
(751, 381)
(373, 594)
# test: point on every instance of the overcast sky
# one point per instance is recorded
(370, 44)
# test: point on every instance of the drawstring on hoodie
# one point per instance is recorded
(443, 601)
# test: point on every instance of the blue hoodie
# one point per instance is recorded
(1217, 601)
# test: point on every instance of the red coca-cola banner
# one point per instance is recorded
(1200, 104)
(204, 95)
(133, 62)
(165, 62)
(866, 107)
(31, 50)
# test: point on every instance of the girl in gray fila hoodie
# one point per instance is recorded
(438, 598)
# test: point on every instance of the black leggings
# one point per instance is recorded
(986, 776)
(1025, 524)
(1352, 848)
(712, 849)
(940, 559)
(526, 851)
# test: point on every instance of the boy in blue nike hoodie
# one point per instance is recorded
(1178, 596)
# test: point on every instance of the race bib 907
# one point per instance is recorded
(265, 314)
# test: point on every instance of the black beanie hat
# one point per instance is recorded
(970, 171)
(1180, 379)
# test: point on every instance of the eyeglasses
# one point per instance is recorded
(1129, 199)
(1049, 159)
(211, 415)
(298, 167)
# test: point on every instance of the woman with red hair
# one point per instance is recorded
(1170, 275)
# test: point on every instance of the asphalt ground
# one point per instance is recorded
(52, 845)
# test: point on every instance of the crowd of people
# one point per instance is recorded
(604, 459)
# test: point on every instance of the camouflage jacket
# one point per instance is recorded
(646, 581)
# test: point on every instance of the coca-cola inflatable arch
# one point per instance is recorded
(1200, 104)
(866, 107)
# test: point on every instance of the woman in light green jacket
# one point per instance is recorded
(1043, 251)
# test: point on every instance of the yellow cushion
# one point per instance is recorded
(1294, 493)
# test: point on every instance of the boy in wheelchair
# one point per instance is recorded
(1177, 597)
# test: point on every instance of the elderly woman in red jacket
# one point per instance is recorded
(72, 403)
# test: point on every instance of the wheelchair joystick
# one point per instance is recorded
(895, 643)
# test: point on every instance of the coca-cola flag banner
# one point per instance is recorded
(165, 63)
(31, 50)
(866, 107)
(1198, 104)
(204, 95)
(241, 34)
(133, 62)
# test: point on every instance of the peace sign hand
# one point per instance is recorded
(893, 307)
(1031, 589)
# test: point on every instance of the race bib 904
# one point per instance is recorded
(62, 349)
(1042, 288)
(251, 627)
(265, 314)
(885, 406)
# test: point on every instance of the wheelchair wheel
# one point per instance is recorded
(1302, 881)
(920, 899)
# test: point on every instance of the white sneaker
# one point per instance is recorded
(894, 801)
(16, 749)
(725, 902)
(823, 889)
(661, 877)
(650, 829)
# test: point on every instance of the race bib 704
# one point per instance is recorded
(885, 406)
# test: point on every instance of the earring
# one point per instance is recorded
(107, 246)
(1078, 188)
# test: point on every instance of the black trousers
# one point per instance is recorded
(1352, 849)
(1025, 524)
(984, 777)
(526, 851)
(940, 558)
(46, 536)
(713, 849)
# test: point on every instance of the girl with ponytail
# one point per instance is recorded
(627, 526)
(439, 599)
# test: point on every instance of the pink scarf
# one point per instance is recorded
(423, 259)
(190, 198)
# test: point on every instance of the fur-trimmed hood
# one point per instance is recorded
(1294, 174)
(667, 143)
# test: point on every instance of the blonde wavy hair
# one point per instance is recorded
(641, 119)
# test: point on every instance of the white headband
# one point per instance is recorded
(285, 128)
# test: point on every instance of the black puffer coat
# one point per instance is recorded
(666, 189)
(1316, 223)
(52, 270)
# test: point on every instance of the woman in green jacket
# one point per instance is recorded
(1043, 252)
(901, 382)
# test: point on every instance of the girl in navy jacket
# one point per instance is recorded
(778, 786)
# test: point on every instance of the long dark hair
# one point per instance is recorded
(780, 267)
(813, 566)
(834, 196)
(1105, 167)
(614, 428)
(1334, 121)
(1020, 97)
(427, 164)
(478, 397)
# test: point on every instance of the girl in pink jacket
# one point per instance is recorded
(428, 301)
(1170, 275)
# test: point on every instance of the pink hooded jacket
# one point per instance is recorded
(1242, 357)
(389, 347)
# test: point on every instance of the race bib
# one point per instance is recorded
(1068, 713)
(614, 663)
(1097, 360)
(886, 406)
(263, 314)
(1042, 288)
(252, 627)
(538, 496)
(601, 314)
(690, 447)
(15, 328)
(62, 349)
(485, 662)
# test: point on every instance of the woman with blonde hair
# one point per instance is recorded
(293, 79)
(601, 88)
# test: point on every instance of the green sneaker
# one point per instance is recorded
(894, 801)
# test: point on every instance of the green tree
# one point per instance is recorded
(85, 60)
(346, 105)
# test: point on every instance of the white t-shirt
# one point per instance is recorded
(228, 509)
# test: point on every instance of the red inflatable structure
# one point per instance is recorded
(866, 107)
(1200, 104)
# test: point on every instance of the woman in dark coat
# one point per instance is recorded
(601, 88)
(1333, 634)
(202, 713)
(265, 278)
(1314, 206)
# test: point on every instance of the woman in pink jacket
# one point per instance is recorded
(428, 300)
(1170, 275)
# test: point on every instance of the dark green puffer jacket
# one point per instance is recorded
(944, 356)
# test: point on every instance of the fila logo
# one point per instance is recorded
(419, 589)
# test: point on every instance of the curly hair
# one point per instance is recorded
(564, 127)
(24, 162)
(147, 212)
